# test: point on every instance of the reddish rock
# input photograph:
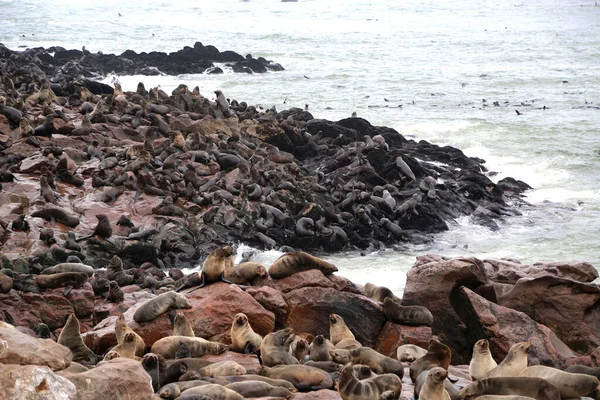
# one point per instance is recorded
(571, 309)
(345, 285)
(310, 278)
(432, 282)
(6, 283)
(248, 361)
(4, 125)
(36, 162)
(324, 394)
(180, 122)
(28, 309)
(394, 335)
(591, 360)
(82, 299)
(503, 327)
(23, 349)
(62, 127)
(33, 382)
(272, 300)
(508, 271)
(120, 378)
(309, 310)
(213, 309)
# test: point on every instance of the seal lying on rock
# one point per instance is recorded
(378, 363)
(379, 293)
(567, 383)
(291, 263)
(359, 383)
(250, 389)
(160, 304)
(406, 315)
(537, 388)
(213, 270)
(409, 352)
(69, 280)
(167, 346)
(303, 377)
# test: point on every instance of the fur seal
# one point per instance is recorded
(482, 361)
(167, 346)
(160, 304)
(409, 352)
(448, 386)
(537, 388)
(182, 327)
(213, 269)
(70, 337)
(102, 229)
(338, 330)
(359, 383)
(274, 348)
(567, 383)
(155, 367)
(111, 355)
(225, 380)
(303, 377)
(300, 349)
(348, 344)
(514, 363)
(121, 328)
(115, 294)
(223, 368)
(173, 390)
(319, 351)
(67, 279)
(243, 337)
(259, 389)
(126, 348)
(433, 387)
(438, 355)
(183, 350)
(174, 371)
(291, 263)
(378, 363)
(406, 315)
(69, 267)
(379, 293)
(245, 273)
(210, 391)
(115, 272)
(582, 369)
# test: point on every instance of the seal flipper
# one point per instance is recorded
(225, 280)
(250, 349)
(201, 285)
(67, 290)
(172, 314)
(259, 357)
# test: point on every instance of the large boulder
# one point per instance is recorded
(211, 315)
(393, 335)
(24, 350)
(503, 327)
(28, 309)
(34, 382)
(310, 307)
(510, 271)
(120, 378)
(433, 282)
(571, 309)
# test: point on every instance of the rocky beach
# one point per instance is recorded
(108, 194)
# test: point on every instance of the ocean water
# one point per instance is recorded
(430, 69)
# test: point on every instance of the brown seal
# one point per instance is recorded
(167, 346)
(303, 377)
(438, 355)
(111, 355)
(379, 293)
(300, 349)
(210, 391)
(433, 387)
(243, 338)
(378, 363)
(115, 294)
(160, 304)
(482, 361)
(259, 389)
(69, 267)
(102, 229)
(67, 279)
(223, 368)
(274, 348)
(409, 352)
(348, 344)
(225, 380)
(406, 315)
(182, 327)
(115, 272)
(126, 349)
(448, 386)
(582, 369)
(213, 269)
(537, 388)
(155, 366)
(319, 351)
(173, 390)
(359, 383)
(291, 263)
(245, 273)
(567, 383)
(56, 215)
(338, 330)
(121, 328)
(70, 337)
(514, 363)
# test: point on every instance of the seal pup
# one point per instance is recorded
(359, 383)
(115, 272)
(438, 355)
(275, 346)
(243, 337)
(338, 330)
(122, 328)
(182, 327)
(409, 352)
(537, 388)
(115, 294)
(303, 377)
(127, 347)
(155, 366)
(378, 363)
(406, 315)
(299, 261)
(514, 363)
(379, 293)
(433, 388)
(160, 304)
(567, 383)
(70, 337)
(482, 361)
(319, 351)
